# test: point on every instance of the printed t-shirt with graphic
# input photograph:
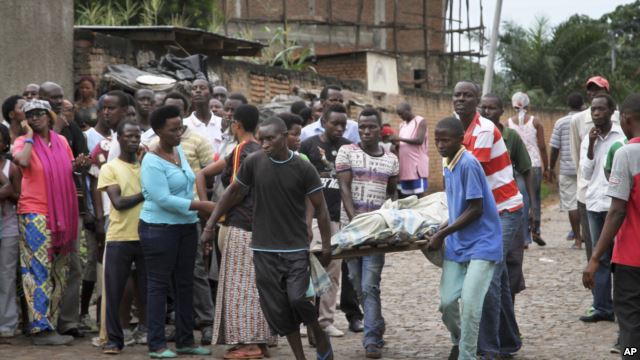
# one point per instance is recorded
(484, 141)
(331, 190)
(280, 189)
(370, 175)
(241, 216)
(481, 239)
(624, 184)
(123, 224)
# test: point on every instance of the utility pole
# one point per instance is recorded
(488, 74)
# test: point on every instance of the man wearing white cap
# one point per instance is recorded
(531, 131)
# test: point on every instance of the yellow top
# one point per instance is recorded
(123, 224)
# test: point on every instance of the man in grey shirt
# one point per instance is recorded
(568, 180)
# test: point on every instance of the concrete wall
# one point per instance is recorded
(37, 44)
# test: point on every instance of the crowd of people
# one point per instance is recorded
(197, 213)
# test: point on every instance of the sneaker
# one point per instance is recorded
(372, 351)
(97, 342)
(333, 331)
(615, 349)
(128, 337)
(140, 334)
(537, 239)
(51, 338)
(87, 324)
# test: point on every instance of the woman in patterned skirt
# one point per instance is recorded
(238, 320)
(48, 218)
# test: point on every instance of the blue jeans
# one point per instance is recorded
(499, 332)
(169, 255)
(365, 273)
(463, 287)
(537, 185)
(602, 301)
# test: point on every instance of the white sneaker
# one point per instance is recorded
(97, 342)
(303, 330)
(333, 331)
(128, 337)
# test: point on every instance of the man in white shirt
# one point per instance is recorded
(581, 124)
(202, 120)
(331, 94)
(593, 154)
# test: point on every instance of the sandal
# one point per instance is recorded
(327, 355)
(243, 354)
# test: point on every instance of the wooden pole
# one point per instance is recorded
(224, 17)
(360, 8)
(395, 29)
(284, 21)
(425, 34)
(330, 21)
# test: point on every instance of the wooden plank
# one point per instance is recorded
(381, 249)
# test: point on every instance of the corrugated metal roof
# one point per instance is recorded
(191, 39)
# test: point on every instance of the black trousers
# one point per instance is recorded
(348, 299)
(282, 279)
(118, 259)
(626, 305)
(169, 254)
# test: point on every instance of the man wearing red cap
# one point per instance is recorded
(581, 125)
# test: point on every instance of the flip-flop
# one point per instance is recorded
(326, 356)
(166, 354)
(241, 354)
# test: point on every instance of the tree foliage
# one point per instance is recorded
(550, 62)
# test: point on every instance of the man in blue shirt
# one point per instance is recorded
(474, 240)
(330, 95)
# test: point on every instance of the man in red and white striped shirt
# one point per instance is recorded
(484, 140)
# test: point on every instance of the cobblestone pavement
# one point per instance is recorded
(547, 312)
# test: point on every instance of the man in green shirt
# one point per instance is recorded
(492, 109)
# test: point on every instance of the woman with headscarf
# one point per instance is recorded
(48, 218)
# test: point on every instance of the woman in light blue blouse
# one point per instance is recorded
(168, 234)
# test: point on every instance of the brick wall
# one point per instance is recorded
(262, 83)
(348, 66)
(93, 52)
(409, 12)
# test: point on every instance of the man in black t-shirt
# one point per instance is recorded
(322, 150)
(281, 182)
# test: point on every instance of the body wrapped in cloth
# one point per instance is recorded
(396, 223)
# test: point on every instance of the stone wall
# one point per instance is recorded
(37, 44)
